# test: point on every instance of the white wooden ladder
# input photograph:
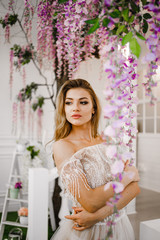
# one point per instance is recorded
(13, 177)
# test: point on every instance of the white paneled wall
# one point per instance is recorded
(148, 155)
(7, 146)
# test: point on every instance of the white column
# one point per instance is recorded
(38, 204)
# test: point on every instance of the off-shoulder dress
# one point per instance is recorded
(92, 162)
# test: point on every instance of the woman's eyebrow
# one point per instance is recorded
(79, 98)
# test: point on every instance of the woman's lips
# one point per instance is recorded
(76, 116)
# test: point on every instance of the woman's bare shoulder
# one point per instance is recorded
(62, 150)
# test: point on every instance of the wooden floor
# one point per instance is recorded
(147, 207)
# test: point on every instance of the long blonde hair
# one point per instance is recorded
(62, 126)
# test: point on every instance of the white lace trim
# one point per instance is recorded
(88, 165)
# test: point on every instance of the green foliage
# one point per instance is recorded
(12, 19)
(131, 19)
(62, 1)
(135, 47)
(144, 2)
(147, 16)
(140, 36)
(105, 22)
(127, 38)
(135, 8)
(120, 29)
(145, 26)
(125, 14)
(91, 21)
(115, 14)
(26, 93)
(24, 54)
(39, 103)
(32, 151)
(95, 26)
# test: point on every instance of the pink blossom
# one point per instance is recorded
(111, 151)
(127, 155)
(119, 103)
(109, 131)
(108, 2)
(150, 57)
(118, 123)
(39, 112)
(117, 187)
(108, 93)
(109, 67)
(110, 110)
(117, 167)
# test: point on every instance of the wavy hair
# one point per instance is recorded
(62, 126)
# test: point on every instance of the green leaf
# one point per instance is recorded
(125, 14)
(40, 101)
(140, 36)
(115, 14)
(131, 19)
(140, 18)
(55, 14)
(135, 47)
(91, 21)
(33, 153)
(62, 1)
(147, 16)
(120, 29)
(145, 26)
(134, 7)
(144, 2)
(105, 22)
(34, 106)
(127, 38)
(94, 27)
(30, 148)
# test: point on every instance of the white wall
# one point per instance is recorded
(149, 161)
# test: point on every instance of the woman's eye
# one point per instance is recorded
(68, 103)
(84, 102)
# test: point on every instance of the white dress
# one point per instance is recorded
(92, 162)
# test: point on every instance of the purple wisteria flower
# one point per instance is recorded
(118, 188)
(111, 151)
(117, 167)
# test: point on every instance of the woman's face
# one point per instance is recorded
(78, 106)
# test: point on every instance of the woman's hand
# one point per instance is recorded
(82, 219)
(131, 174)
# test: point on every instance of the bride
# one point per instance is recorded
(79, 154)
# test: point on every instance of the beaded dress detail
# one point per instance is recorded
(90, 167)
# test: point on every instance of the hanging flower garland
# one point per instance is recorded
(11, 72)
(64, 24)
(152, 58)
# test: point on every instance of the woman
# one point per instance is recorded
(79, 153)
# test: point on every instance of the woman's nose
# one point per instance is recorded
(75, 107)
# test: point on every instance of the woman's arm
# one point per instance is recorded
(86, 219)
(90, 199)
(94, 199)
